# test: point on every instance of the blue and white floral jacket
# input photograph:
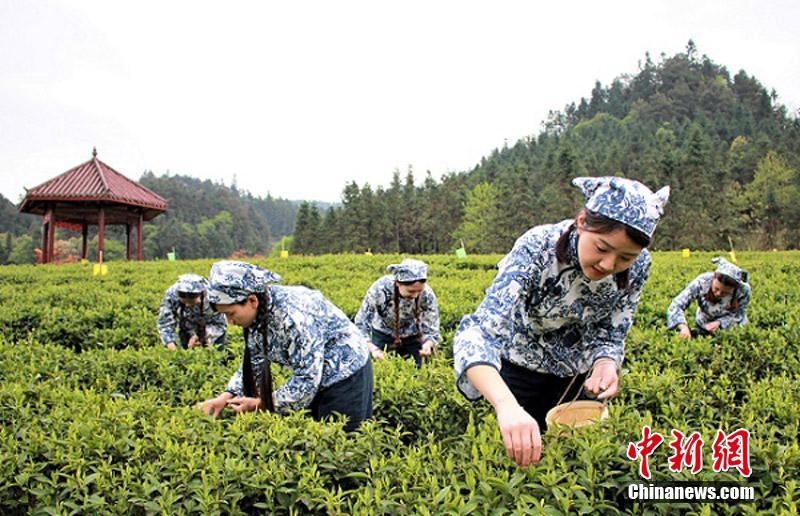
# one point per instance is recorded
(707, 311)
(545, 315)
(175, 317)
(312, 337)
(377, 312)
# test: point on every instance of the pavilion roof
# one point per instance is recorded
(92, 183)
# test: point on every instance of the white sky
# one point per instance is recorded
(296, 98)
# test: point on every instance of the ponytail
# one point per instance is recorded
(264, 390)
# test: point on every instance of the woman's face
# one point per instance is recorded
(602, 254)
(240, 314)
(719, 289)
(189, 299)
(411, 290)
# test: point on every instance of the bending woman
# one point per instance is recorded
(296, 327)
(560, 306)
(185, 317)
(400, 313)
(722, 297)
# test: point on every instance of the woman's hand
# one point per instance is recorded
(214, 406)
(427, 348)
(684, 331)
(242, 404)
(520, 432)
(194, 342)
(604, 382)
(712, 326)
(376, 352)
(171, 346)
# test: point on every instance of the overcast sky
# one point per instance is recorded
(297, 98)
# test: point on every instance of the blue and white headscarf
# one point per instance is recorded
(409, 270)
(624, 200)
(231, 282)
(725, 267)
(191, 284)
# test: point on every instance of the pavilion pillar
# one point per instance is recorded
(85, 235)
(139, 239)
(128, 241)
(45, 234)
(51, 236)
(101, 233)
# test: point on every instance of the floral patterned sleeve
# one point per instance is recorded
(675, 315)
(307, 357)
(739, 317)
(607, 336)
(429, 316)
(482, 335)
(167, 320)
(236, 384)
(216, 328)
(366, 313)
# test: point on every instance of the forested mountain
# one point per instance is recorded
(207, 219)
(728, 149)
(13, 222)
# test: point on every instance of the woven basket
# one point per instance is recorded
(577, 413)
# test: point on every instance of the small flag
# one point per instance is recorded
(461, 253)
(171, 256)
(84, 261)
(284, 253)
(99, 269)
(368, 253)
(686, 253)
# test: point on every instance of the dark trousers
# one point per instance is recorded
(409, 346)
(539, 392)
(352, 397)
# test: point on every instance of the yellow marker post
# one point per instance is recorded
(733, 252)
(686, 253)
(284, 253)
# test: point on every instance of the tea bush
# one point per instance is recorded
(96, 417)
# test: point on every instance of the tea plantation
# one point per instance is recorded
(96, 417)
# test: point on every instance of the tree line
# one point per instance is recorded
(727, 147)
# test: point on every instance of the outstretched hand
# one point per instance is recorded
(604, 381)
(520, 431)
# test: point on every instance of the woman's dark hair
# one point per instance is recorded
(408, 283)
(396, 300)
(264, 390)
(201, 324)
(728, 282)
(597, 223)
